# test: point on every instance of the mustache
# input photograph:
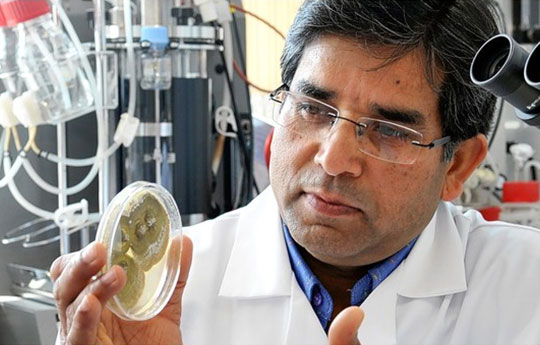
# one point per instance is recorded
(339, 185)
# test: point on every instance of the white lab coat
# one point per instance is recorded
(466, 281)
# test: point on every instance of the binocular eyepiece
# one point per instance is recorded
(507, 70)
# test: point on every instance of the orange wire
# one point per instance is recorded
(241, 9)
(242, 76)
(237, 68)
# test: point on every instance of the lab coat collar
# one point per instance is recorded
(436, 265)
(259, 263)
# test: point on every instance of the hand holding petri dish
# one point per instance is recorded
(142, 231)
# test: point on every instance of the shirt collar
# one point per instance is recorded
(320, 299)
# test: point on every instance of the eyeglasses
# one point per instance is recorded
(380, 139)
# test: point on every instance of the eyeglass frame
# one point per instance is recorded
(434, 143)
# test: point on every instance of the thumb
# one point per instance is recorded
(174, 307)
(344, 328)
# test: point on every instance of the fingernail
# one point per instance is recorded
(89, 254)
(109, 278)
(85, 305)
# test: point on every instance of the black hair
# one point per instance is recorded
(449, 32)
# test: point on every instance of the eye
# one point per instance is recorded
(309, 109)
(387, 131)
(314, 113)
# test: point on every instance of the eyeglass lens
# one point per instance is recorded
(381, 139)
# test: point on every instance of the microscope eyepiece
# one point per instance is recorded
(499, 67)
(532, 68)
(490, 59)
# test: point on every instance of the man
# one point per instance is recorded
(377, 127)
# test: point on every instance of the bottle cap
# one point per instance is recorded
(158, 36)
(19, 11)
(3, 21)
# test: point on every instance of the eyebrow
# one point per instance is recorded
(309, 89)
(406, 116)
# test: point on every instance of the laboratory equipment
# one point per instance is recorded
(49, 65)
(507, 69)
(160, 87)
(24, 321)
(9, 68)
(177, 100)
(500, 66)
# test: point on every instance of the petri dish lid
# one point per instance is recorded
(142, 231)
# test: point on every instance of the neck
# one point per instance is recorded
(338, 281)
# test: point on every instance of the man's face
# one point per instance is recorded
(345, 207)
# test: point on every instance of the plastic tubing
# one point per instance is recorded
(2, 142)
(20, 199)
(130, 58)
(71, 190)
(29, 243)
(69, 161)
(55, 190)
(11, 171)
(83, 161)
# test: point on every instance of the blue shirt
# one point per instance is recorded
(320, 299)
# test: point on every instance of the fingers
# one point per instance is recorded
(72, 273)
(187, 252)
(107, 285)
(80, 300)
(174, 307)
(344, 328)
(85, 325)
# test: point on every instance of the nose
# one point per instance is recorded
(338, 153)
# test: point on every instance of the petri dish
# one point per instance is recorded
(142, 231)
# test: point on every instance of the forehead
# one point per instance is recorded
(358, 80)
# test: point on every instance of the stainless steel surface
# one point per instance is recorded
(24, 321)
(151, 129)
(186, 33)
(157, 137)
(100, 46)
(151, 12)
(62, 183)
(190, 64)
(31, 283)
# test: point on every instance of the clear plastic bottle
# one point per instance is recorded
(48, 61)
(9, 68)
(156, 65)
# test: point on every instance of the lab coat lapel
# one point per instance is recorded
(304, 328)
(379, 324)
(434, 267)
(259, 267)
(259, 263)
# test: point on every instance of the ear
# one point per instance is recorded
(469, 154)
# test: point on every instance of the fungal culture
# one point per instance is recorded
(142, 231)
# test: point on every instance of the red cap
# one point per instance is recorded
(491, 213)
(521, 191)
(3, 21)
(19, 11)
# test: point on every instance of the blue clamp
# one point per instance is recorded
(157, 36)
